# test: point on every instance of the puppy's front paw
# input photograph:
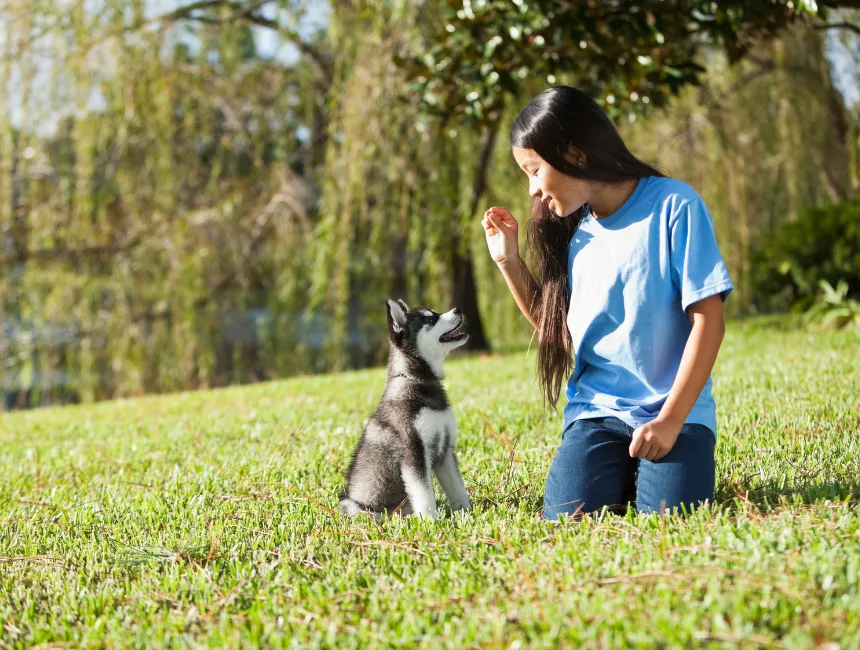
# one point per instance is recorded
(430, 514)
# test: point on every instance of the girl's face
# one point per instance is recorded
(563, 194)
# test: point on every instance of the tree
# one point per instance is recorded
(168, 204)
(625, 54)
(629, 56)
(191, 183)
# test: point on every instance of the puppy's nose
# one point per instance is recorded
(456, 311)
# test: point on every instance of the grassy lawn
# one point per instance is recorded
(209, 519)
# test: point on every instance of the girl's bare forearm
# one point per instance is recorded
(523, 286)
(697, 361)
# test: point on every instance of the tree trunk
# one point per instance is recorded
(466, 299)
(465, 290)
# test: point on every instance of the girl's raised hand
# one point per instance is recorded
(500, 229)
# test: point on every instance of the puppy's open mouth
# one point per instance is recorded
(455, 334)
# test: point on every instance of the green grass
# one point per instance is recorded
(208, 519)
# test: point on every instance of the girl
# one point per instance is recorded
(631, 299)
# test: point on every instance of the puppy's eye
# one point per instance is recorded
(429, 317)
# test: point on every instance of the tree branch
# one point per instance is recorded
(249, 14)
(239, 12)
(61, 253)
(849, 26)
(764, 67)
(846, 4)
(322, 62)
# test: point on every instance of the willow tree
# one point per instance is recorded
(179, 210)
(630, 56)
(464, 69)
(391, 193)
(157, 190)
(761, 141)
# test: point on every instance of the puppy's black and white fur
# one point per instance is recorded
(413, 432)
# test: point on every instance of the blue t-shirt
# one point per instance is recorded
(632, 276)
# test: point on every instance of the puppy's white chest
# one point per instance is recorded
(432, 425)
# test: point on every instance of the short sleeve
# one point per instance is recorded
(698, 270)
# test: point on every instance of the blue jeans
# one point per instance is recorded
(593, 469)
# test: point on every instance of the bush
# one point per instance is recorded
(789, 265)
(833, 308)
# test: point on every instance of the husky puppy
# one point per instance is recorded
(413, 432)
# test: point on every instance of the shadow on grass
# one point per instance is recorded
(764, 496)
(728, 495)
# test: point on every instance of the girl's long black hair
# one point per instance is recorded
(570, 131)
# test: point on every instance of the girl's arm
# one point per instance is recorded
(523, 286)
(501, 230)
(655, 439)
(700, 353)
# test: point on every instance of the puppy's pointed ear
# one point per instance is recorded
(403, 304)
(396, 316)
